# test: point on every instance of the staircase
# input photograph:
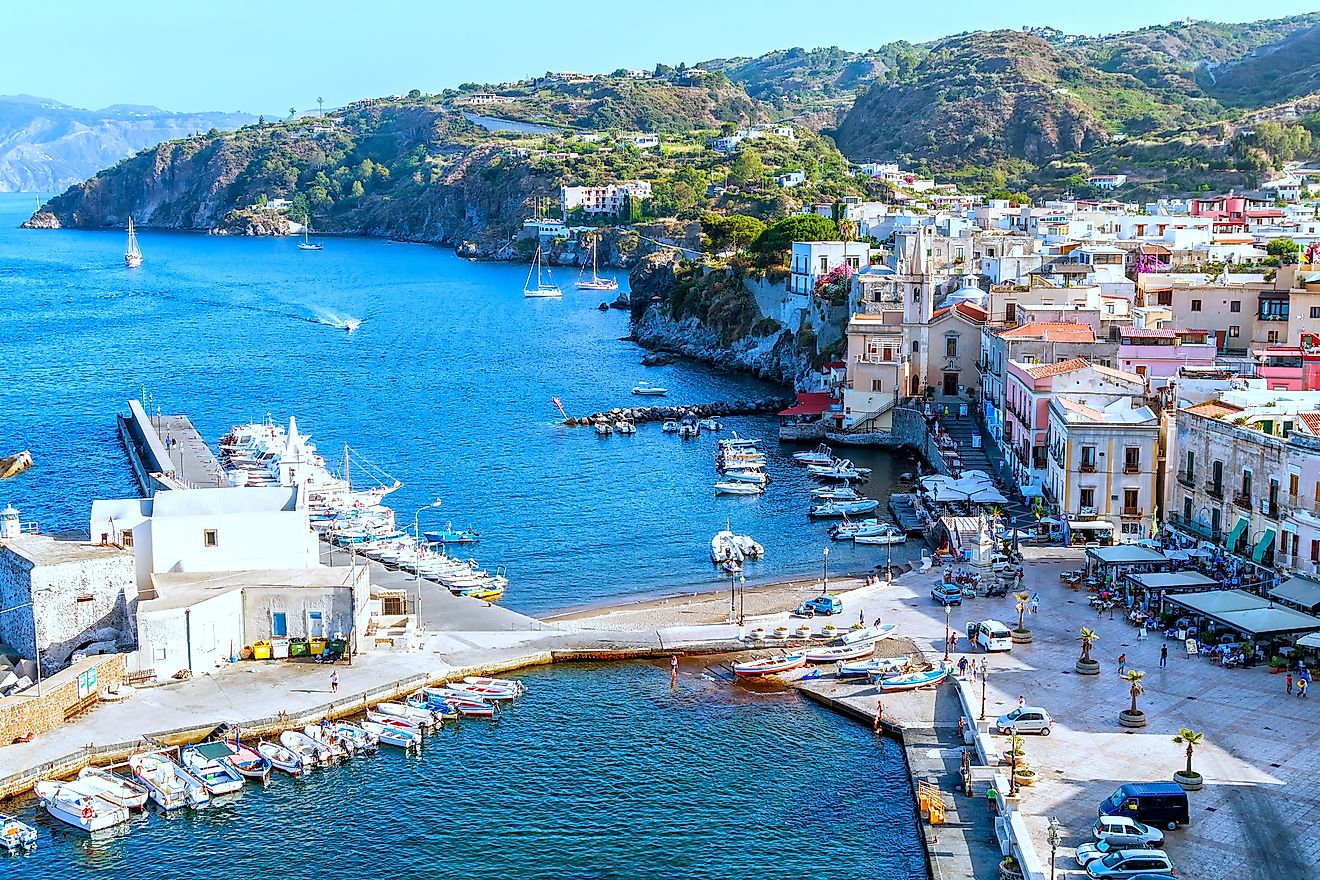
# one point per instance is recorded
(990, 459)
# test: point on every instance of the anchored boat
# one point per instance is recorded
(170, 785)
(207, 763)
(16, 835)
(113, 787)
(77, 804)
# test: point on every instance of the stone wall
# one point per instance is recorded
(909, 428)
(28, 713)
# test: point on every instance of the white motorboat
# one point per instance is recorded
(836, 493)
(747, 476)
(744, 442)
(835, 653)
(844, 508)
(751, 549)
(327, 738)
(604, 429)
(506, 683)
(209, 766)
(76, 804)
(114, 788)
(886, 534)
(646, 389)
(840, 469)
(845, 530)
(821, 455)
(16, 835)
(624, 426)
(488, 692)
(874, 666)
(710, 425)
(308, 750)
(733, 487)
(170, 785)
(422, 718)
(722, 547)
(281, 758)
(362, 739)
(669, 427)
(392, 734)
(869, 634)
(689, 428)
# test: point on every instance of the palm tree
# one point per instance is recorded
(1190, 738)
(1022, 599)
(1088, 638)
(1133, 677)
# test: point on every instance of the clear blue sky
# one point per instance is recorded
(264, 57)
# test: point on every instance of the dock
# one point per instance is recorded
(904, 509)
(167, 452)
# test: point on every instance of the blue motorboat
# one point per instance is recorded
(913, 680)
(451, 535)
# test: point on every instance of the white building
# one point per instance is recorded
(641, 141)
(812, 260)
(791, 179)
(609, 199)
(1107, 181)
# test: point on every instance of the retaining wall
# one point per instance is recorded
(27, 713)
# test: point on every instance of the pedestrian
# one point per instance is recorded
(879, 717)
(877, 622)
(673, 669)
(990, 797)
(1122, 663)
(334, 681)
(962, 667)
(1035, 603)
(861, 617)
(1099, 610)
(1287, 684)
(1022, 701)
(1164, 656)
(1301, 687)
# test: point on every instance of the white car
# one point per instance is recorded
(1089, 852)
(1125, 864)
(1025, 719)
(1128, 831)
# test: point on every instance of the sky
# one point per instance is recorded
(265, 57)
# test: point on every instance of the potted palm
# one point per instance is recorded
(1021, 635)
(1133, 717)
(1188, 778)
(1009, 869)
(1085, 665)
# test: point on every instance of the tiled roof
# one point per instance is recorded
(1052, 331)
(1213, 409)
(1041, 371)
(1130, 378)
(971, 312)
(1312, 421)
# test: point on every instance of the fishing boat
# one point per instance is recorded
(735, 487)
(423, 718)
(78, 805)
(913, 680)
(170, 785)
(207, 763)
(844, 508)
(646, 389)
(595, 282)
(437, 707)
(604, 429)
(364, 741)
(308, 750)
(392, 735)
(498, 693)
(625, 427)
(872, 667)
(886, 534)
(114, 788)
(451, 535)
(869, 634)
(132, 254)
(328, 739)
(770, 665)
(394, 721)
(281, 758)
(544, 287)
(507, 683)
(464, 705)
(16, 835)
(835, 653)
(821, 455)
(250, 763)
(306, 245)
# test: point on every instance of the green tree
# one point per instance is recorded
(357, 191)
(292, 112)
(1190, 738)
(736, 231)
(414, 94)
(747, 167)
(777, 239)
(1282, 247)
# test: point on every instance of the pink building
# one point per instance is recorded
(1290, 368)
(1157, 354)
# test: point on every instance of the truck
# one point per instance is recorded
(824, 605)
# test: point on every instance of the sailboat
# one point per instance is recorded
(306, 245)
(595, 282)
(546, 287)
(133, 255)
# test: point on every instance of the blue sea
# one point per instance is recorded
(446, 385)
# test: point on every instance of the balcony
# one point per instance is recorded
(1132, 468)
(1133, 513)
(1215, 490)
(1187, 478)
(1086, 467)
(1196, 527)
(1242, 501)
(1270, 511)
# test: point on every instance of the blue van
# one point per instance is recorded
(1154, 803)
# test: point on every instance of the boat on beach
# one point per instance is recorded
(114, 788)
(872, 667)
(170, 785)
(16, 835)
(869, 634)
(913, 680)
(770, 665)
(76, 803)
(835, 653)
(281, 758)
(207, 763)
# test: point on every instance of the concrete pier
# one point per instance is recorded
(185, 462)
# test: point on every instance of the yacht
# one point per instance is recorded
(595, 282)
(132, 254)
(545, 287)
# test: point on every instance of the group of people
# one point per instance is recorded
(1303, 682)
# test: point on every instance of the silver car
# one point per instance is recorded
(1126, 864)
(1127, 831)
(1025, 719)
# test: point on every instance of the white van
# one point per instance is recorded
(990, 635)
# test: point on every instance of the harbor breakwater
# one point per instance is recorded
(643, 414)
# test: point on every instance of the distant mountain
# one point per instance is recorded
(1272, 73)
(47, 146)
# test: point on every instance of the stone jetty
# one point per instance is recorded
(640, 414)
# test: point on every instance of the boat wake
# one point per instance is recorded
(333, 319)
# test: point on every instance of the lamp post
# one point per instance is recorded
(983, 671)
(1054, 840)
(1014, 742)
(417, 536)
(742, 597)
(947, 631)
(825, 570)
(733, 582)
(36, 650)
(889, 564)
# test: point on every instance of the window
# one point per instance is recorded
(824, 265)
(1292, 485)
(210, 538)
(1235, 305)
(1088, 458)
(1315, 312)
(1130, 501)
(1187, 508)
(1246, 483)
(916, 294)
(1132, 460)
(1234, 331)
(1272, 336)
(1087, 497)
(1196, 305)
(1191, 464)
(279, 624)
(877, 385)
(1315, 550)
(916, 346)
(951, 347)
(126, 538)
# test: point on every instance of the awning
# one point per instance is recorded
(810, 404)
(1092, 525)
(1266, 541)
(1236, 535)
(1299, 591)
(1311, 640)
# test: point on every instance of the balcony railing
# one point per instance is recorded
(1271, 511)
(1196, 527)
(1214, 490)
(1087, 467)
(1133, 512)
(1242, 501)
(1131, 468)
(1187, 478)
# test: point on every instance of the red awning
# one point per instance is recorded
(814, 403)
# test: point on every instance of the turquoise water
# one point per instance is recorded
(447, 385)
(598, 772)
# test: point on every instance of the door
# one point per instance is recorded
(950, 384)
(315, 625)
(279, 624)
(1221, 336)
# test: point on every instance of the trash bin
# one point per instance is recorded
(261, 650)
(338, 646)
(298, 648)
(279, 649)
(317, 647)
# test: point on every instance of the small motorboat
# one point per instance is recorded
(498, 693)
(821, 455)
(770, 665)
(363, 740)
(669, 427)
(392, 735)
(869, 634)
(872, 667)
(16, 835)
(77, 805)
(308, 750)
(422, 717)
(394, 721)
(507, 683)
(281, 758)
(439, 708)
(646, 389)
(472, 708)
(451, 535)
(835, 653)
(249, 763)
(724, 547)
(839, 469)
(734, 487)
(731, 566)
(751, 548)
(114, 788)
(170, 785)
(736, 442)
(756, 477)
(625, 427)
(327, 738)
(688, 428)
(844, 492)
(485, 594)
(207, 763)
(886, 534)
(913, 680)
(844, 508)
(710, 425)
(848, 529)
(604, 429)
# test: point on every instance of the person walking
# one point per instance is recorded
(962, 667)
(878, 724)
(1122, 663)
(1301, 687)
(1164, 656)
(1035, 603)
(861, 617)
(334, 682)
(1287, 684)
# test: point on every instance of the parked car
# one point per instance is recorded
(1127, 830)
(1127, 864)
(1154, 803)
(947, 594)
(1025, 719)
(990, 635)
(823, 605)
(1089, 852)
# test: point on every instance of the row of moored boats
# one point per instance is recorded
(740, 466)
(837, 498)
(853, 653)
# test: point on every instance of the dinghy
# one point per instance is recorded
(114, 788)
(913, 680)
(770, 665)
(391, 721)
(328, 739)
(77, 805)
(472, 708)
(506, 683)
(281, 758)
(421, 717)
(363, 740)
(849, 529)
(646, 389)
(872, 667)
(392, 735)
(869, 634)
(249, 763)
(16, 835)
(844, 508)
(883, 536)
(208, 764)
(839, 469)
(308, 750)
(438, 707)
(835, 653)
(170, 785)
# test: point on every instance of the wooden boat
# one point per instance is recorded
(869, 633)
(506, 683)
(308, 750)
(114, 788)
(420, 716)
(391, 721)
(12, 465)
(770, 665)
(281, 758)
(913, 680)
(498, 693)
(393, 735)
(208, 763)
(329, 739)
(16, 835)
(249, 763)
(77, 804)
(170, 785)
(873, 667)
(835, 653)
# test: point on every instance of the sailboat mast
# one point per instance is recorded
(347, 481)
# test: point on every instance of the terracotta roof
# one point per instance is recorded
(1312, 422)
(810, 403)
(1212, 409)
(1052, 331)
(1041, 371)
(971, 312)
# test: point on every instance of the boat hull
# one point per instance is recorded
(771, 666)
(914, 680)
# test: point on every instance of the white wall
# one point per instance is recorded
(214, 627)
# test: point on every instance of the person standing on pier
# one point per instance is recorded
(673, 670)
(334, 682)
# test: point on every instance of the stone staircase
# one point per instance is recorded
(988, 458)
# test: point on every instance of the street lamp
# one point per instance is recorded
(825, 569)
(417, 570)
(947, 631)
(983, 670)
(742, 597)
(1054, 840)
